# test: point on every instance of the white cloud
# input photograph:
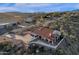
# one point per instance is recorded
(32, 4)
(7, 8)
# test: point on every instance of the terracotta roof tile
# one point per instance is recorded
(43, 32)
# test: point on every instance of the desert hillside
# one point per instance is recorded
(66, 22)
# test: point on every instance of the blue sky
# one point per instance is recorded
(38, 7)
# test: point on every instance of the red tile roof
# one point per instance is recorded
(44, 32)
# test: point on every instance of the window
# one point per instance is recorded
(1, 27)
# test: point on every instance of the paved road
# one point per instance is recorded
(40, 42)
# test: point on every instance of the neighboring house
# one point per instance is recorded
(7, 24)
(30, 20)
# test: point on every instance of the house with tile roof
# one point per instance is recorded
(46, 35)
